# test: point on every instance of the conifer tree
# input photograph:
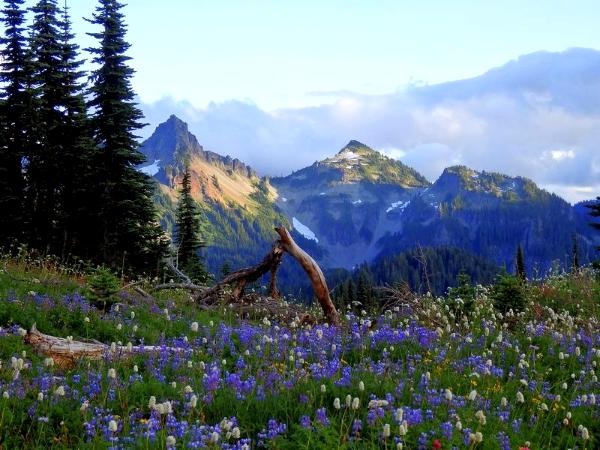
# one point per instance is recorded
(15, 115)
(45, 156)
(129, 234)
(187, 234)
(595, 212)
(520, 264)
(77, 160)
(575, 255)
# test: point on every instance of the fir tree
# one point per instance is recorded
(79, 149)
(520, 264)
(595, 212)
(15, 115)
(575, 255)
(129, 234)
(46, 156)
(188, 228)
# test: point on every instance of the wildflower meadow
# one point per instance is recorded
(441, 379)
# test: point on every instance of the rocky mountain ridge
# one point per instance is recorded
(359, 205)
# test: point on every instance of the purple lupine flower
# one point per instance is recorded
(321, 417)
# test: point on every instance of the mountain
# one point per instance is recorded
(237, 209)
(359, 206)
(490, 214)
(347, 202)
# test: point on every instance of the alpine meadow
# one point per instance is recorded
(299, 225)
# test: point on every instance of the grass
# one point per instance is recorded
(431, 378)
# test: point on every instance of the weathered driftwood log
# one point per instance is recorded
(66, 353)
(313, 271)
(188, 286)
(249, 274)
(270, 263)
(179, 273)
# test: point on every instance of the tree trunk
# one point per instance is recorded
(313, 271)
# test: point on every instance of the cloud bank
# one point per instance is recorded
(537, 116)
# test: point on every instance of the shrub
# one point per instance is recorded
(103, 287)
(461, 298)
(508, 293)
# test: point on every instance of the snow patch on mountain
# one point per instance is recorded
(304, 230)
(151, 169)
(397, 205)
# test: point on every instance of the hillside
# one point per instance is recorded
(237, 210)
(188, 377)
(360, 206)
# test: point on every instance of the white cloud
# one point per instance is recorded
(538, 116)
(562, 154)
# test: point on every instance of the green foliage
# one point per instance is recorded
(187, 237)
(15, 120)
(103, 286)
(520, 264)
(509, 293)
(461, 298)
(126, 226)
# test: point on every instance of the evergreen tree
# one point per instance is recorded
(45, 157)
(364, 287)
(129, 234)
(15, 115)
(187, 237)
(520, 264)
(77, 160)
(575, 255)
(595, 212)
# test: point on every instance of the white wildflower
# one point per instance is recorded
(520, 398)
(386, 430)
(60, 391)
(448, 395)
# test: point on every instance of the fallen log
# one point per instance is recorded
(66, 352)
(270, 263)
(313, 271)
(248, 275)
(188, 286)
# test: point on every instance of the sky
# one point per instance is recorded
(280, 84)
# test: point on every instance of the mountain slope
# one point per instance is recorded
(346, 202)
(490, 214)
(360, 206)
(237, 209)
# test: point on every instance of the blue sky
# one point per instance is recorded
(282, 53)
(280, 84)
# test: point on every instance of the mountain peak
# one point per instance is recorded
(356, 147)
(173, 119)
(461, 178)
(358, 162)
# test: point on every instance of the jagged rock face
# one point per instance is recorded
(348, 202)
(359, 205)
(172, 146)
(219, 178)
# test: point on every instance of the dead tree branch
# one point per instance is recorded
(314, 272)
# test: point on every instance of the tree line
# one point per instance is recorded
(69, 151)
